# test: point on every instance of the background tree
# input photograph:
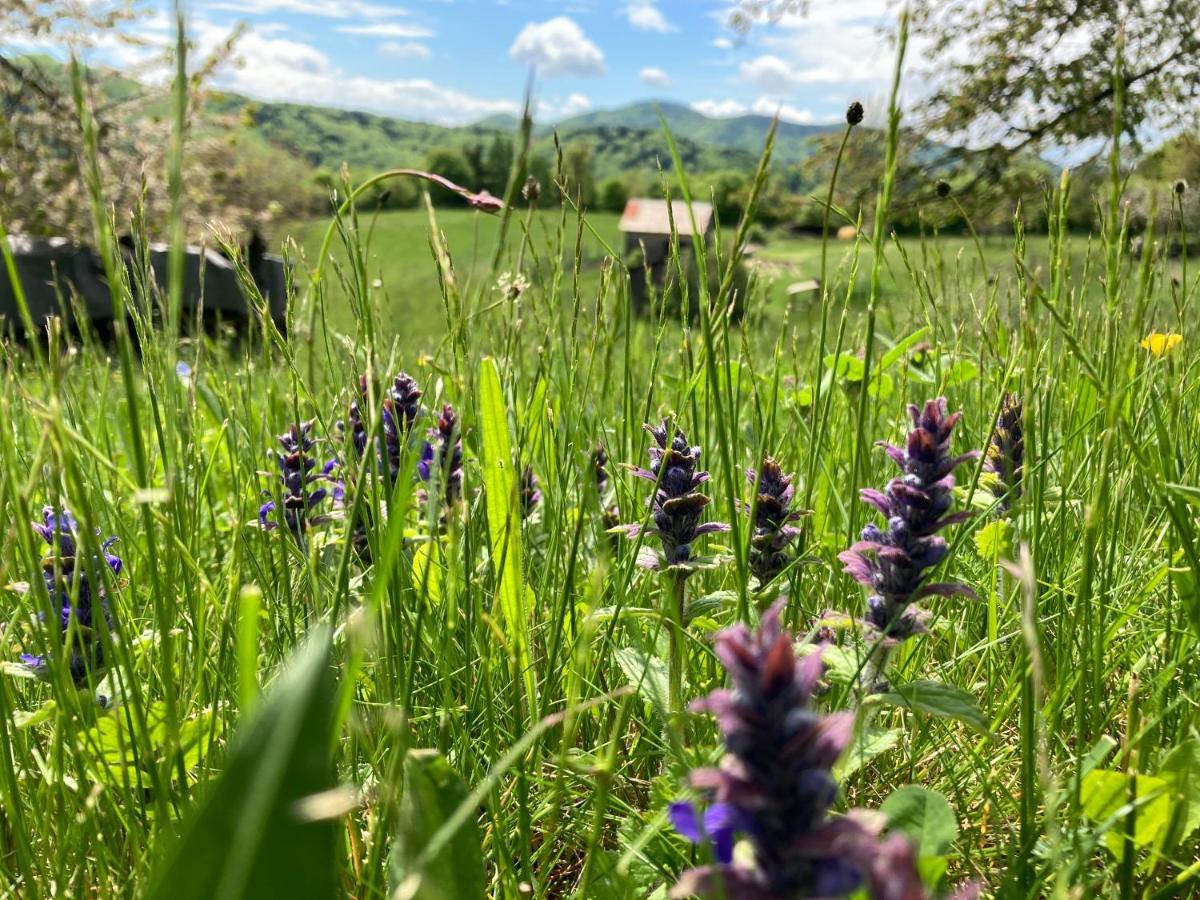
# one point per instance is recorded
(613, 195)
(1015, 79)
(577, 173)
(230, 177)
(497, 165)
(453, 164)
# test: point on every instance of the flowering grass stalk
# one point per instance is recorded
(893, 562)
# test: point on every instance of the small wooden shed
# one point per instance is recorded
(646, 224)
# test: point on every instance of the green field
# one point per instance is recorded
(405, 290)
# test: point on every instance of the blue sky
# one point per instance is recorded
(454, 61)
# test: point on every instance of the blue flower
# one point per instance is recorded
(720, 824)
(894, 561)
(773, 515)
(442, 457)
(72, 593)
(775, 786)
(677, 504)
(302, 490)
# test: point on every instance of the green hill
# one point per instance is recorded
(625, 141)
(328, 137)
(746, 133)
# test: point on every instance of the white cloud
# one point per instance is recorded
(842, 43)
(281, 69)
(722, 43)
(557, 47)
(387, 30)
(765, 106)
(720, 109)
(644, 15)
(411, 50)
(770, 73)
(654, 77)
(326, 9)
(554, 109)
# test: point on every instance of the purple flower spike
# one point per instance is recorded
(301, 489)
(531, 495)
(400, 409)
(1005, 456)
(893, 562)
(77, 592)
(677, 504)
(773, 515)
(775, 786)
(442, 456)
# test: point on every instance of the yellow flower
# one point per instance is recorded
(1161, 344)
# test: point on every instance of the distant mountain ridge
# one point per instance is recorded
(625, 141)
(745, 132)
(622, 140)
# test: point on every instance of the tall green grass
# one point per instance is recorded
(532, 653)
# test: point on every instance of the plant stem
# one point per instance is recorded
(676, 595)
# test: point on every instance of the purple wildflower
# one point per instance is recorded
(354, 422)
(400, 409)
(442, 456)
(677, 503)
(531, 495)
(73, 595)
(302, 489)
(773, 515)
(775, 786)
(1005, 456)
(893, 562)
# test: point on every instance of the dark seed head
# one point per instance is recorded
(854, 115)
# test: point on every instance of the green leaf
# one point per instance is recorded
(503, 514)
(994, 540)
(841, 666)
(942, 700)
(647, 674)
(1181, 771)
(901, 348)
(1106, 802)
(925, 816)
(432, 792)
(245, 839)
(708, 604)
(428, 564)
(881, 385)
(845, 365)
(863, 749)
(960, 372)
